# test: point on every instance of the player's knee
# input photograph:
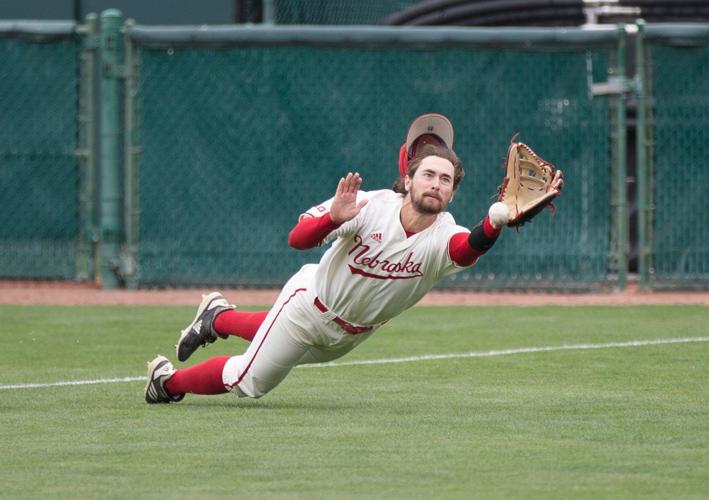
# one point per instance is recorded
(258, 380)
(253, 388)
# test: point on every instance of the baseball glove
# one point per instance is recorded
(530, 184)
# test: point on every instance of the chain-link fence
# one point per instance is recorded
(236, 141)
(229, 133)
(39, 178)
(675, 189)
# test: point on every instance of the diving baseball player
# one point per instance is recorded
(388, 249)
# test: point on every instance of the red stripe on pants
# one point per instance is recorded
(265, 336)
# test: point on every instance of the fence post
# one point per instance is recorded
(111, 200)
(641, 155)
(620, 198)
(269, 12)
(86, 261)
(131, 213)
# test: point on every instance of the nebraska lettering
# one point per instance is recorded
(407, 267)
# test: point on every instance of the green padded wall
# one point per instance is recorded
(236, 142)
(38, 172)
(681, 177)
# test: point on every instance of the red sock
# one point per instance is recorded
(241, 324)
(204, 378)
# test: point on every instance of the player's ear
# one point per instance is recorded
(407, 183)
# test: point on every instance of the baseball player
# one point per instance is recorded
(389, 248)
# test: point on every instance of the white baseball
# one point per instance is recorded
(499, 214)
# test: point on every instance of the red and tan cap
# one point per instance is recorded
(430, 123)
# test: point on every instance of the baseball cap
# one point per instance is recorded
(430, 123)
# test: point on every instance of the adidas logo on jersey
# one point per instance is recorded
(376, 237)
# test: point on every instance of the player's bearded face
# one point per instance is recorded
(431, 188)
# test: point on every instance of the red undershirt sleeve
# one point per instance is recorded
(465, 248)
(310, 232)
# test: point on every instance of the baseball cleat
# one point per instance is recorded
(159, 371)
(201, 331)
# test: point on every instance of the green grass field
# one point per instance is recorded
(607, 422)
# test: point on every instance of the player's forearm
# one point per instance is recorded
(466, 248)
(311, 231)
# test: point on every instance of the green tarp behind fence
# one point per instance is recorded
(679, 59)
(241, 129)
(38, 174)
(236, 142)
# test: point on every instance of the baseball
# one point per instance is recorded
(499, 214)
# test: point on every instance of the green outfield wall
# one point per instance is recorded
(182, 156)
(228, 162)
(39, 179)
(674, 187)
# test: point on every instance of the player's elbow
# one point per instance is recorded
(295, 241)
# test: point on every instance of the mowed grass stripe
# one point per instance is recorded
(408, 359)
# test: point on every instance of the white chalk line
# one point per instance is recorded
(408, 359)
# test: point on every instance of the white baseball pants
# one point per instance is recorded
(293, 333)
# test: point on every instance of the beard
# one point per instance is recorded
(429, 204)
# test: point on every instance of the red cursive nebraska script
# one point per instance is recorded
(368, 266)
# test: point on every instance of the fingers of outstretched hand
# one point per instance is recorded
(344, 205)
(558, 181)
(340, 186)
(352, 182)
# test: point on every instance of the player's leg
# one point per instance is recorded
(295, 332)
(239, 323)
(263, 366)
(316, 355)
(270, 362)
(275, 349)
(216, 318)
(266, 362)
(167, 385)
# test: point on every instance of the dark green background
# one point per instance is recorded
(236, 143)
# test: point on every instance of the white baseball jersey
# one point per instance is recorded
(374, 271)
(371, 273)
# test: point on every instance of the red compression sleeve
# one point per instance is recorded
(311, 231)
(241, 324)
(204, 378)
(464, 252)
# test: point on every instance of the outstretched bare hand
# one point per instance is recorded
(344, 204)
